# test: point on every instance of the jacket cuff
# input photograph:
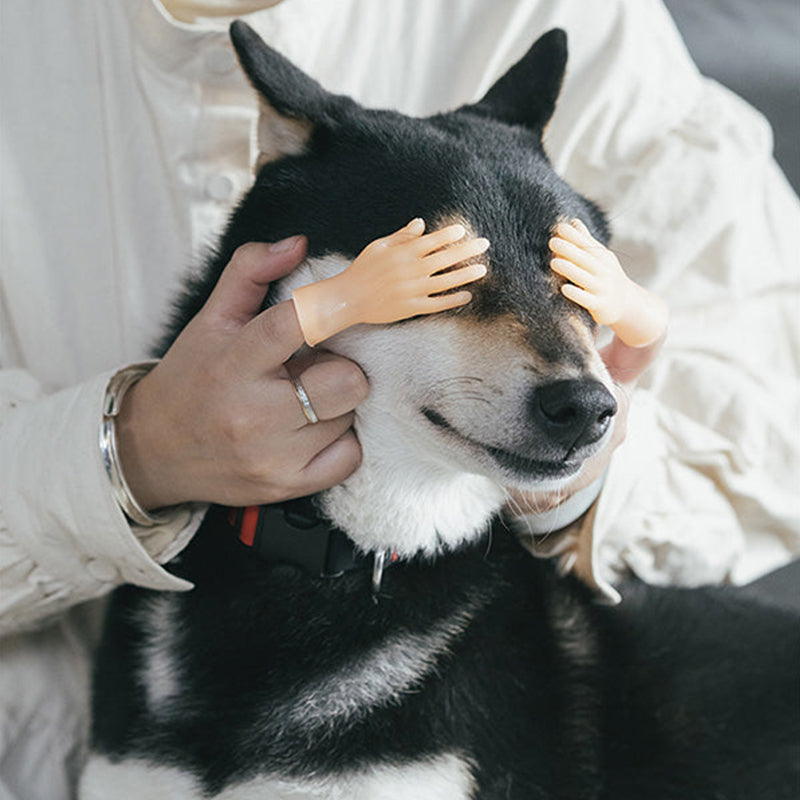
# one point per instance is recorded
(57, 500)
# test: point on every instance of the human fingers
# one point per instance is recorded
(241, 287)
(577, 275)
(310, 440)
(269, 339)
(456, 277)
(314, 459)
(330, 466)
(455, 254)
(333, 386)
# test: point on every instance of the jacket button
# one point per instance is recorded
(220, 60)
(219, 187)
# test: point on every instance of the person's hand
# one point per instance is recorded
(597, 282)
(218, 419)
(393, 278)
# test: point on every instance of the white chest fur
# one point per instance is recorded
(445, 777)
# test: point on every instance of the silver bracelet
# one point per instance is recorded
(115, 391)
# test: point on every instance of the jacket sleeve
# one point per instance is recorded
(63, 539)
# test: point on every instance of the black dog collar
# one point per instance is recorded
(293, 533)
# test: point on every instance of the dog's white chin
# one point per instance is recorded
(412, 508)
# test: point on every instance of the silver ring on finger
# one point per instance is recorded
(305, 403)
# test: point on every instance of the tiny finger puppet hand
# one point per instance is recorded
(393, 278)
(597, 282)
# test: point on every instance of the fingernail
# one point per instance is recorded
(285, 244)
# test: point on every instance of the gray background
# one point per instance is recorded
(753, 48)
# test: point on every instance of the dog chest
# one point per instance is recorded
(445, 777)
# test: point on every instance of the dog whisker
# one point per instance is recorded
(457, 378)
(471, 397)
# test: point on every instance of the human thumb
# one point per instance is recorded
(241, 288)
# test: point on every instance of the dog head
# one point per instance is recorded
(506, 391)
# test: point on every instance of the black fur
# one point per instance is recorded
(677, 694)
(674, 694)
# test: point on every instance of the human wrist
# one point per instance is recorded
(142, 448)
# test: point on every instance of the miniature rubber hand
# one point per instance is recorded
(393, 278)
(597, 282)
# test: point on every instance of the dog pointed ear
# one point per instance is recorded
(527, 93)
(292, 104)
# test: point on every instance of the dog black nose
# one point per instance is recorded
(574, 413)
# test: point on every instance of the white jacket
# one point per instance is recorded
(125, 140)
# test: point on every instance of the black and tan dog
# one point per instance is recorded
(470, 670)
